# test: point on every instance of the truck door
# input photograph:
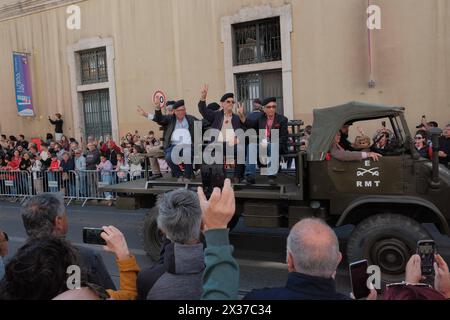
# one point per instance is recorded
(384, 177)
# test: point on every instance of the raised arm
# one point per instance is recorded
(161, 119)
(221, 276)
(204, 111)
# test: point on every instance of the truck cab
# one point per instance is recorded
(386, 200)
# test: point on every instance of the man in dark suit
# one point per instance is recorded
(268, 121)
(312, 258)
(178, 131)
(227, 123)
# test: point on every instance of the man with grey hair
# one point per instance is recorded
(312, 258)
(178, 276)
(45, 215)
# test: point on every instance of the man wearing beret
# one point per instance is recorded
(156, 152)
(268, 120)
(178, 130)
(227, 123)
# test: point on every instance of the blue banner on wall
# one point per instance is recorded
(22, 78)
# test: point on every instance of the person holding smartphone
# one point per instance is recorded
(413, 288)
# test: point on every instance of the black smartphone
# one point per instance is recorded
(426, 249)
(92, 236)
(213, 176)
(358, 279)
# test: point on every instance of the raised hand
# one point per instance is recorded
(442, 276)
(115, 242)
(220, 209)
(240, 109)
(142, 112)
(204, 94)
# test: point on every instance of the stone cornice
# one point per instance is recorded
(26, 7)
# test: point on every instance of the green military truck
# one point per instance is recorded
(387, 201)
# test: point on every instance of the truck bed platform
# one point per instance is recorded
(285, 188)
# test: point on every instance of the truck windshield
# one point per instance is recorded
(384, 133)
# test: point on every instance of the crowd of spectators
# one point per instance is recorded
(196, 259)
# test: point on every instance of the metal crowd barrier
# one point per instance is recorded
(15, 184)
(75, 185)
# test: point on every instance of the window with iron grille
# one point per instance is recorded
(97, 114)
(93, 65)
(257, 41)
(260, 85)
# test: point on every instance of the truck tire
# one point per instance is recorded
(388, 241)
(152, 236)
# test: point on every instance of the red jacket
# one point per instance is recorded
(54, 165)
(15, 163)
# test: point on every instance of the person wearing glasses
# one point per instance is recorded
(268, 121)
(420, 142)
(227, 123)
(3, 251)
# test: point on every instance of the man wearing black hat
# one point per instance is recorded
(227, 123)
(178, 130)
(154, 153)
(268, 121)
(257, 110)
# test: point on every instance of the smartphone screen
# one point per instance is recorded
(359, 277)
(426, 250)
(92, 236)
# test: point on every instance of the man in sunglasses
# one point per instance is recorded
(268, 121)
(227, 122)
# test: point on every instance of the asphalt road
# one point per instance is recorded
(261, 256)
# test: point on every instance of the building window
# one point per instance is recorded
(93, 64)
(97, 114)
(260, 85)
(257, 41)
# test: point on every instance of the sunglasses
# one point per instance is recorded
(271, 107)
(418, 138)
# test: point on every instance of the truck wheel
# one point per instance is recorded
(388, 241)
(152, 236)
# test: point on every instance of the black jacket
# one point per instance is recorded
(280, 122)
(92, 263)
(444, 145)
(215, 118)
(300, 287)
(92, 159)
(169, 123)
(58, 125)
(23, 143)
(25, 164)
(67, 166)
(111, 155)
